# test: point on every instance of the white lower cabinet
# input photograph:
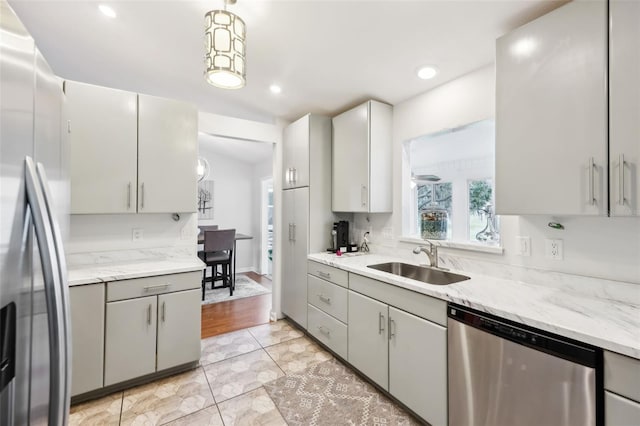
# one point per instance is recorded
(130, 339)
(178, 328)
(418, 365)
(368, 338)
(87, 337)
(619, 411)
(328, 330)
(404, 354)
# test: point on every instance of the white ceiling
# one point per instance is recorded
(326, 55)
(238, 149)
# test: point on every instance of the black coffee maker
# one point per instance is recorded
(340, 237)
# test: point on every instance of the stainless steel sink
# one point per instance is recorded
(420, 273)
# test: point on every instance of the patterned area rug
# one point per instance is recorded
(245, 287)
(331, 394)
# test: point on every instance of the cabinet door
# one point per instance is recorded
(130, 343)
(296, 154)
(294, 287)
(418, 365)
(178, 328)
(87, 337)
(620, 411)
(624, 104)
(350, 184)
(104, 143)
(551, 114)
(367, 338)
(167, 155)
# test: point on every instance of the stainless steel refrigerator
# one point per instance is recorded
(34, 220)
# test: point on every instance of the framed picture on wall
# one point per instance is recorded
(205, 200)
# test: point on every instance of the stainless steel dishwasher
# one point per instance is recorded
(502, 373)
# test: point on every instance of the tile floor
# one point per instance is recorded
(226, 389)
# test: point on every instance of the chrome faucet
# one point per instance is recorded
(431, 251)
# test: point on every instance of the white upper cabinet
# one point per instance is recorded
(104, 142)
(167, 154)
(551, 114)
(624, 107)
(362, 159)
(295, 154)
(130, 153)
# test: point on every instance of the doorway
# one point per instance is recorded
(266, 251)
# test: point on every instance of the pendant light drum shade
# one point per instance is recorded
(225, 49)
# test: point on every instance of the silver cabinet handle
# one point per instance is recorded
(324, 331)
(325, 299)
(592, 165)
(295, 175)
(392, 327)
(380, 323)
(59, 369)
(324, 275)
(621, 180)
(363, 192)
(149, 315)
(142, 196)
(289, 232)
(294, 232)
(129, 196)
(156, 287)
(164, 309)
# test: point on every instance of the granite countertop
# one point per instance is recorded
(604, 314)
(104, 272)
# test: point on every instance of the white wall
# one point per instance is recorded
(233, 202)
(598, 247)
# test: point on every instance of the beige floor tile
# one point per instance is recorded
(227, 345)
(207, 417)
(297, 355)
(103, 411)
(275, 332)
(241, 374)
(166, 399)
(251, 409)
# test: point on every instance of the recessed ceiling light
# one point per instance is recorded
(428, 72)
(107, 11)
(275, 89)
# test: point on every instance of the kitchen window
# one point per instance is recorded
(452, 171)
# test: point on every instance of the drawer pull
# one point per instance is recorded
(156, 287)
(324, 331)
(324, 275)
(325, 299)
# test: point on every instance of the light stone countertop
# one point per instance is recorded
(105, 272)
(604, 314)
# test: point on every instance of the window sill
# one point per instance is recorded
(458, 245)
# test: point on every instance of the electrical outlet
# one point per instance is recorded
(523, 246)
(554, 249)
(137, 234)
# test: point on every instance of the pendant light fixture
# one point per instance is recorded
(225, 48)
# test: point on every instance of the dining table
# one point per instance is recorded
(239, 236)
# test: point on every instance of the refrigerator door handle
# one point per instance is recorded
(52, 285)
(64, 304)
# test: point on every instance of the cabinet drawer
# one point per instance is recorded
(329, 273)
(619, 411)
(622, 375)
(328, 297)
(424, 306)
(140, 287)
(328, 330)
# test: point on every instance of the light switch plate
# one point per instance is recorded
(523, 246)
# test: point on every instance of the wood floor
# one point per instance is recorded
(223, 317)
